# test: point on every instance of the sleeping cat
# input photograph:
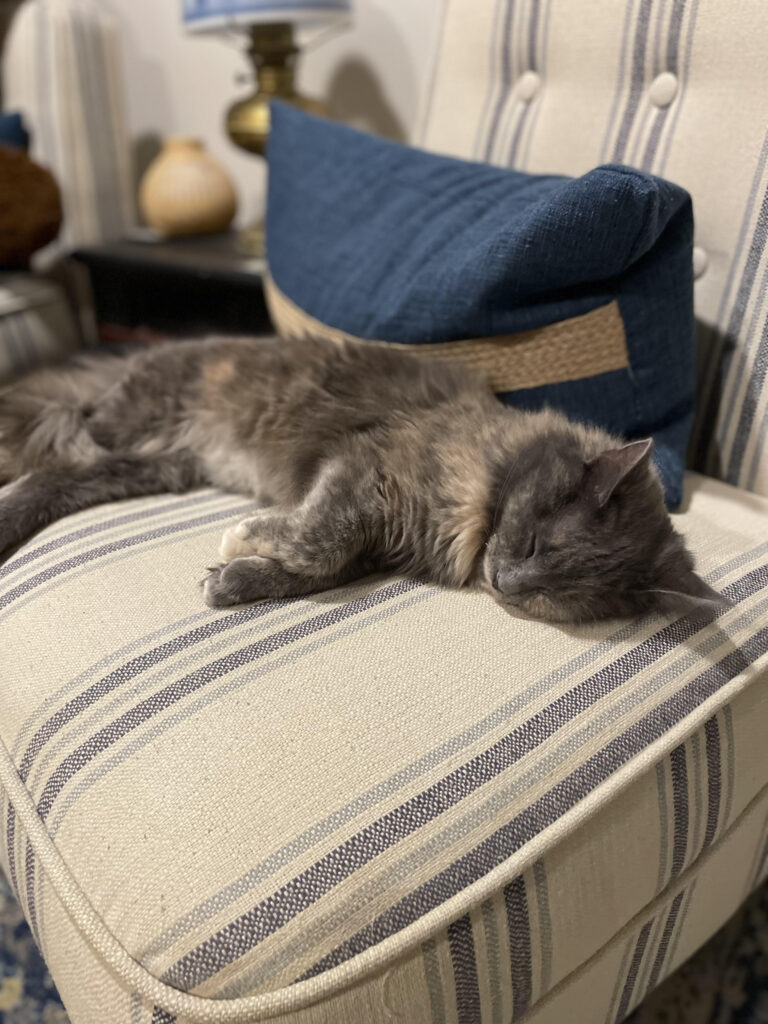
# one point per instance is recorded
(368, 458)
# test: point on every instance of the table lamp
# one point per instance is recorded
(273, 50)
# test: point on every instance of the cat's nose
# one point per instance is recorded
(513, 582)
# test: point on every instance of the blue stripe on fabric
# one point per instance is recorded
(434, 981)
(679, 770)
(478, 148)
(76, 561)
(637, 76)
(10, 845)
(661, 952)
(722, 342)
(161, 1016)
(506, 74)
(29, 882)
(714, 770)
(731, 350)
(25, 557)
(133, 668)
(622, 74)
(533, 65)
(634, 967)
(524, 157)
(754, 393)
(519, 931)
(462, 946)
(181, 688)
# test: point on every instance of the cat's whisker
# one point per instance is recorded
(500, 499)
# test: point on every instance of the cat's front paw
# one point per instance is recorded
(210, 585)
(245, 539)
(238, 582)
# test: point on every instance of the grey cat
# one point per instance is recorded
(369, 459)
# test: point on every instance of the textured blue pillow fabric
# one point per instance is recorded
(389, 243)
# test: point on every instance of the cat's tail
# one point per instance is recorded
(40, 498)
(43, 416)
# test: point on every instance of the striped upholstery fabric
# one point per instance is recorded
(389, 802)
(36, 324)
(676, 88)
(62, 69)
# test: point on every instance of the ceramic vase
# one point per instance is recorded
(32, 217)
(186, 192)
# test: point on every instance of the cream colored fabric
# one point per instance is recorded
(677, 89)
(390, 799)
(567, 350)
(697, 904)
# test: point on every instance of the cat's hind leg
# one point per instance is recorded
(40, 498)
(44, 416)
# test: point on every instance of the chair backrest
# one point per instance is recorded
(675, 87)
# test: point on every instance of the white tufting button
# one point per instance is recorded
(663, 89)
(700, 261)
(528, 84)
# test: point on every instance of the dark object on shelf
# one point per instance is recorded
(148, 290)
(13, 132)
(30, 208)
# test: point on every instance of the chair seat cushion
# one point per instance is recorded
(386, 802)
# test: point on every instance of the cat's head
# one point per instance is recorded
(581, 536)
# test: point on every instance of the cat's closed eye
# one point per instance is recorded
(539, 545)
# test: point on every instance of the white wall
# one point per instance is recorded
(372, 74)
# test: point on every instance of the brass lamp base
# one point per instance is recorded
(274, 54)
(252, 241)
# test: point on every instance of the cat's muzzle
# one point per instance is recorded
(514, 584)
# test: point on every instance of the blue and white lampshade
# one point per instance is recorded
(211, 15)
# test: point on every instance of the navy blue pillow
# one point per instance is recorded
(574, 292)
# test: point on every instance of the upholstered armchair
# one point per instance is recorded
(393, 802)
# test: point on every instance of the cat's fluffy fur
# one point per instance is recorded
(367, 459)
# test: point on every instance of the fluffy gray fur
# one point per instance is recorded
(367, 459)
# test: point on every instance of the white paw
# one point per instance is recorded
(239, 542)
(234, 543)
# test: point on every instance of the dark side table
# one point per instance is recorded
(146, 290)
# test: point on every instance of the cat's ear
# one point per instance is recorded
(691, 596)
(609, 468)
